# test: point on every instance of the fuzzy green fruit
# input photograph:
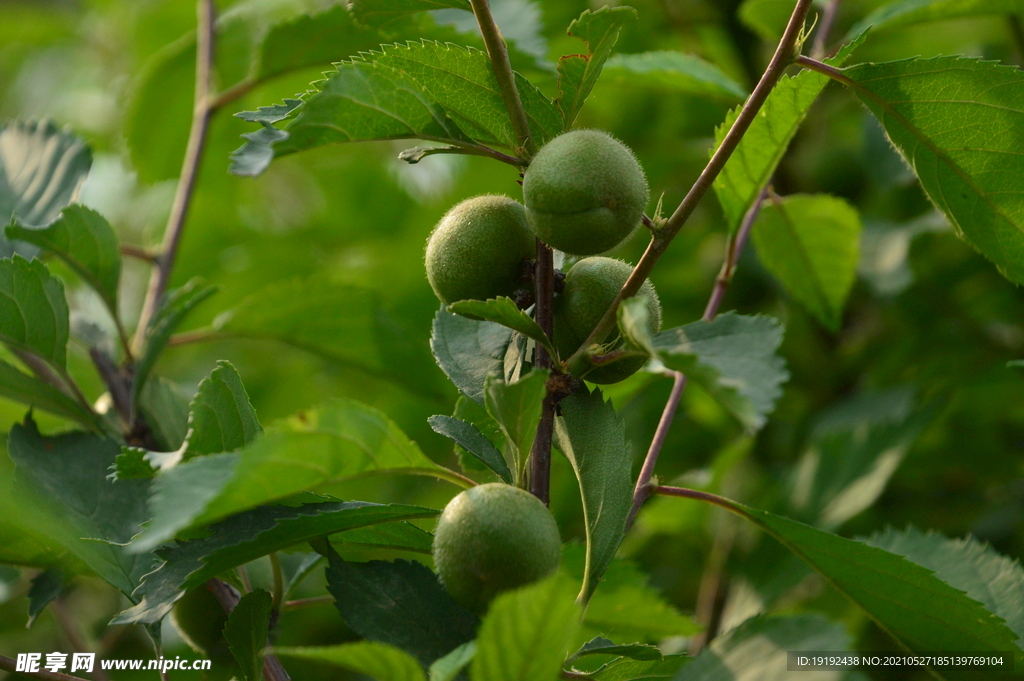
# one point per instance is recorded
(590, 287)
(200, 619)
(492, 538)
(584, 192)
(477, 250)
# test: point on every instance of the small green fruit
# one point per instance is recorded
(200, 619)
(478, 248)
(584, 192)
(492, 538)
(590, 287)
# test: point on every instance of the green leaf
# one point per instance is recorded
(633, 670)
(626, 606)
(46, 586)
(995, 581)
(941, 113)
(83, 239)
(526, 634)
(337, 441)
(759, 648)
(402, 536)
(379, 11)
(19, 386)
(504, 311)
(448, 667)
(173, 310)
(602, 646)
(811, 244)
(246, 632)
(377, 660)
(33, 310)
(578, 73)
(733, 358)
(467, 436)
(468, 351)
(755, 159)
(164, 405)
(673, 72)
(909, 12)
(248, 536)
(401, 604)
(95, 516)
(516, 407)
(43, 168)
(593, 439)
(908, 601)
(221, 416)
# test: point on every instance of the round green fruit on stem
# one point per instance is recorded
(200, 619)
(492, 538)
(477, 250)
(585, 192)
(590, 287)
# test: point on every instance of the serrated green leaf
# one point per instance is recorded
(379, 11)
(592, 437)
(177, 304)
(448, 667)
(811, 244)
(46, 586)
(733, 358)
(401, 536)
(467, 436)
(626, 606)
(92, 516)
(526, 634)
(516, 407)
(468, 351)
(476, 415)
(246, 632)
(995, 581)
(19, 386)
(942, 114)
(164, 405)
(504, 311)
(673, 72)
(908, 601)
(221, 416)
(755, 159)
(401, 604)
(41, 170)
(83, 239)
(634, 670)
(247, 536)
(602, 646)
(909, 12)
(377, 660)
(33, 310)
(317, 447)
(577, 73)
(760, 647)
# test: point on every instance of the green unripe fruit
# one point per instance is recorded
(200, 619)
(492, 538)
(477, 249)
(585, 192)
(590, 287)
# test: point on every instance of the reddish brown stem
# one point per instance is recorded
(540, 453)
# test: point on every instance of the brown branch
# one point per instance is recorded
(189, 170)
(498, 53)
(138, 252)
(228, 599)
(732, 256)
(540, 453)
(10, 665)
(659, 244)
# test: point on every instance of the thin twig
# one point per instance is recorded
(711, 586)
(498, 53)
(70, 628)
(307, 602)
(228, 599)
(828, 17)
(10, 665)
(825, 69)
(732, 256)
(236, 91)
(540, 453)
(278, 595)
(138, 252)
(659, 244)
(697, 494)
(189, 170)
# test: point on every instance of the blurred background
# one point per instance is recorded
(911, 396)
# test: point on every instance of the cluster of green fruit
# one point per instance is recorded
(585, 193)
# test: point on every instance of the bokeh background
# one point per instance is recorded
(921, 353)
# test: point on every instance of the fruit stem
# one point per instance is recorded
(201, 114)
(498, 53)
(783, 57)
(544, 295)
